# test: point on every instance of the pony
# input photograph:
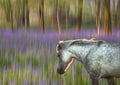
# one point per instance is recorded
(100, 58)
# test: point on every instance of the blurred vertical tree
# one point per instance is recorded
(11, 13)
(7, 5)
(107, 18)
(53, 15)
(97, 3)
(67, 16)
(41, 15)
(18, 13)
(118, 13)
(58, 16)
(115, 14)
(25, 14)
(79, 18)
(64, 13)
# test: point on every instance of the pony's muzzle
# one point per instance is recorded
(60, 71)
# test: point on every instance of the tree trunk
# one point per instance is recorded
(118, 13)
(7, 13)
(115, 15)
(27, 14)
(11, 20)
(97, 3)
(107, 18)
(53, 20)
(58, 16)
(23, 14)
(18, 14)
(11, 14)
(41, 14)
(79, 19)
(67, 15)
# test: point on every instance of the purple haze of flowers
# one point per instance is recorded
(41, 83)
(26, 83)
(30, 40)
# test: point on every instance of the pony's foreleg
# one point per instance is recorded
(94, 79)
(111, 81)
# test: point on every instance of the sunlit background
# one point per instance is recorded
(30, 30)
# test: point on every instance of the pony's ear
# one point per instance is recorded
(60, 45)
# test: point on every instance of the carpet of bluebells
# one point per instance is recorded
(28, 57)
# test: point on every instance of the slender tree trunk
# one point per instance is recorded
(11, 14)
(97, 2)
(79, 19)
(67, 15)
(18, 14)
(115, 15)
(107, 18)
(58, 16)
(118, 13)
(11, 20)
(23, 14)
(27, 14)
(41, 14)
(7, 12)
(53, 19)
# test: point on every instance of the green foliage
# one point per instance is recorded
(20, 60)
(34, 62)
(5, 63)
(5, 60)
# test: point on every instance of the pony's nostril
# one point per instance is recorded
(57, 70)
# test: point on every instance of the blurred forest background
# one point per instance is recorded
(60, 14)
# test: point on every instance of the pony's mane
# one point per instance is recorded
(82, 42)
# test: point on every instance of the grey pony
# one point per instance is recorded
(100, 58)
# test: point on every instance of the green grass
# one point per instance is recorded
(19, 69)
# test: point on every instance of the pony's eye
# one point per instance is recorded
(58, 55)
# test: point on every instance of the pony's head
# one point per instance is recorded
(65, 57)
(67, 51)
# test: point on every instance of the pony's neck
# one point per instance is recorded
(80, 52)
